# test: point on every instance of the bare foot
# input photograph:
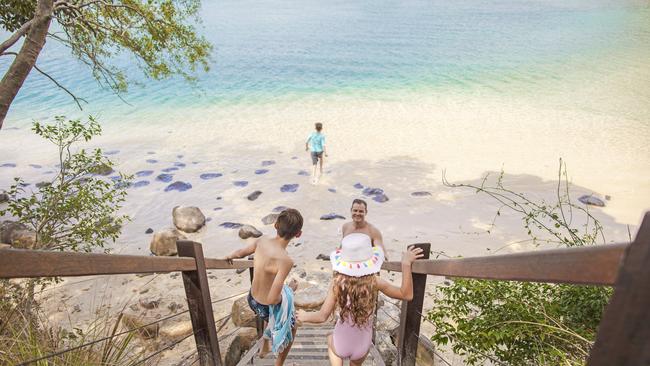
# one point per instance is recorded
(265, 349)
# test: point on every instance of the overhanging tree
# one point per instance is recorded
(159, 33)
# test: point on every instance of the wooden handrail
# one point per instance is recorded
(594, 265)
(18, 263)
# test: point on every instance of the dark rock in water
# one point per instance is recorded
(268, 162)
(331, 190)
(279, 208)
(149, 231)
(253, 196)
(420, 194)
(143, 173)
(165, 178)
(152, 161)
(217, 209)
(8, 165)
(332, 216)
(358, 186)
(101, 169)
(141, 183)
(48, 172)
(4, 197)
(249, 231)
(171, 169)
(297, 244)
(261, 171)
(206, 176)
(231, 225)
(179, 156)
(372, 191)
(294, 157)
(219, 198)
(195, 162)
(42, 184)
(381, 198)
(23, 184)
(179, 164)
(591, 200)
(35, 166)
(323, 257)
(303, 172)
(240, 183)
(150, 152)
(178, 186)
(289, 188)
(115, 178)
(111, 152)
(122, 184)
(270, 219)
(608, 197)
(208, 219)
(241, 270)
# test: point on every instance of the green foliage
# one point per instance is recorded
(77, 210)
(519, 323)
(160, 34)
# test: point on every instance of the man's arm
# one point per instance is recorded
(275, 293)
(243, 252)
(378, 240)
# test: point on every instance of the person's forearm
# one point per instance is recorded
(407, 282)
(314, 317)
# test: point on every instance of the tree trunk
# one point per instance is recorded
(14, 78)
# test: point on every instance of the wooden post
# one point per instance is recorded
(623, 337)
(410, 318)
(259, 323)
(199, 305)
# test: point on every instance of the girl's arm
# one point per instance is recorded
(405, 292)
(321, 315)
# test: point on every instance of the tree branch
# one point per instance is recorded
(76, 99)
(15, 37)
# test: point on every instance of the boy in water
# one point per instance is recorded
(271, 266)
(317, 143)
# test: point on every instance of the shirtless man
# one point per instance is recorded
(271, 266)
(359, 224)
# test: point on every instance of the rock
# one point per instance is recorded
(143, 173)
(253, 196)
(303, 173)
(424, 353)
(5, 246)
(176, 329)
(4, 197)
(388, 317)
(240, 183)
(101, 169)
(270, 218)
(149, 231)
(310, 298)
(170, 169)
(289, 188)
(358, 186)
(243, 341)
(8, 165)
(332, 216)
(261, 171)
(206, 176)
(133, 322)
(387, 349)
(241, 270)
(331, 190)
(420, 194)
(381, 198)
(591, 200)
(248, 231)
(149, 303)
(140, 183)
(372, 191)
(179, 164)
(17, 234)
(152, 161)
(608, 197)
(179, 156)
(242, 315)
(279, 208)
(294, 157)
(217, 209)
(165, 178)
(174, 307)
(163, 242)
(178, 186)
(111, 152)
(323, 257)
(268, 162)
(42, 184)
(188, 219)
(35, 166)
(231, 225)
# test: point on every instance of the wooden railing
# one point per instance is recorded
(623, 337)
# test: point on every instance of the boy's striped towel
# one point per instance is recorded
(281, 322)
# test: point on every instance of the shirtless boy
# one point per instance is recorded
(271, 266)
(359, 210)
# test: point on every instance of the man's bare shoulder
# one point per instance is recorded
(346, 227)
(373, 229)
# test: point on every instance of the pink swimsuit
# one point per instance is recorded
(351, 341)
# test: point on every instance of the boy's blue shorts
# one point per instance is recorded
(261, 310)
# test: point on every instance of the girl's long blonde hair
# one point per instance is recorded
(356, 297)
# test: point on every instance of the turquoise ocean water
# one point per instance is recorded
(269, 51)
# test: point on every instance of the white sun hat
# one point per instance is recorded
(357, 257)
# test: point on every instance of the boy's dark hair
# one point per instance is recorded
(359, 201)
(319, 126)
(288, 223)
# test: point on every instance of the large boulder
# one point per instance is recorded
(163, 242)
(175, 330)
(17, 234)
(188, 219)
(133, 321)
(4, 197)
(242, 315)
(249, 231)
(388, 317)
(310, 298)
(270, 218)
(386, 348)
(244, 340)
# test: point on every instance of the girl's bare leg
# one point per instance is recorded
(358, 362)
(335, 360)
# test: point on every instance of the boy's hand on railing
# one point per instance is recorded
(229, 259)
(411, 254)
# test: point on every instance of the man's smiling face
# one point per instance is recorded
(358, 212)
